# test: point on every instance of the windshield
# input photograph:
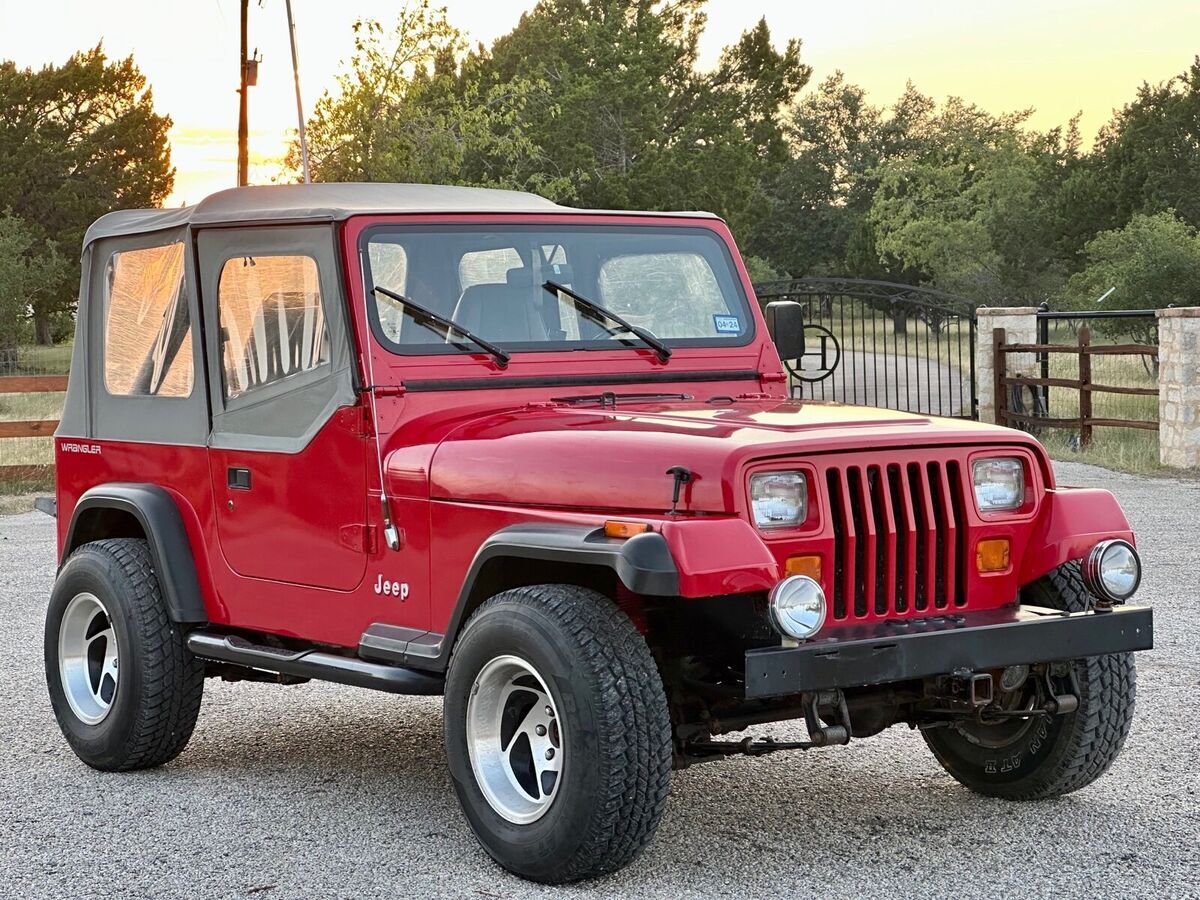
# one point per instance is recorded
(677, 283)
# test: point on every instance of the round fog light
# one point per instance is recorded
(797, 607)
(1112, 570)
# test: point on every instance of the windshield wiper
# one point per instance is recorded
(598, 313)
(419, 312)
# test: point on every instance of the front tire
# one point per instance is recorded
(557, 733)
(123, 685)
(1039, 758)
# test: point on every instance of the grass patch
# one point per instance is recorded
(1120, 449)
(35, 360)
(20, 501)
(23, 407)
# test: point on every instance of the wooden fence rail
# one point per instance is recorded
(1084, 349)
(29, 384)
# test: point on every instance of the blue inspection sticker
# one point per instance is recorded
(727, 324)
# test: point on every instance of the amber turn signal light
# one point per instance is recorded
(804, 565)
(992, 555)
(615, 529)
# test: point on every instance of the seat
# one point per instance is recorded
(504, 313)
(287, 336)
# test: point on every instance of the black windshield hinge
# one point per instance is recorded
(385, 390)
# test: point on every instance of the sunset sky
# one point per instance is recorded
(1059, 56)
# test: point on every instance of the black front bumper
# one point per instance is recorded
(901, 650)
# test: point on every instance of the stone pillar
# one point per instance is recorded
(1179, 387)
(1020, 326)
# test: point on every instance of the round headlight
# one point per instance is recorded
(797, 607)
(1112, 570)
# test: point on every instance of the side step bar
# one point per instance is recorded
(312, 664)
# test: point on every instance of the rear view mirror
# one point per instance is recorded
(785, 324)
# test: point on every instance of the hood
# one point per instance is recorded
(584, 456)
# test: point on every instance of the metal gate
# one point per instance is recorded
(874, 343)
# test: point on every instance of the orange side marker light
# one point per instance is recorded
(809, 565)
(993, 555)
(615, 529)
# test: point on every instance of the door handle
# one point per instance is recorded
(239, 479)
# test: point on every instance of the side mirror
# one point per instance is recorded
(785, 324)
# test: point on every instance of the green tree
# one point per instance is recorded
(819, 199)
(1146, 160)
(26, 276)
(77, 141)
(622, 112)
(974, 208)
(405, 111)
(1150, 263)
(757, 81)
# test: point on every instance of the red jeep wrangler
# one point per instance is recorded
(543, 461)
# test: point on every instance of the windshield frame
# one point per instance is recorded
(618, 223)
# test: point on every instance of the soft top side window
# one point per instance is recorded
(147, 330)
(271, 318)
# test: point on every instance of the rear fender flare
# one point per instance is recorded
(158, 515)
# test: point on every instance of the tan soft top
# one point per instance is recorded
(331, 203)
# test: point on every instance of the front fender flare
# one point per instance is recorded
(158, 515)
(643, 562)
(1071, 521)
(685, 558)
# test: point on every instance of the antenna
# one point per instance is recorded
(299, 102)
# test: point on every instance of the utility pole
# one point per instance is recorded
(243, 165)
(299, 103)
(249, 77)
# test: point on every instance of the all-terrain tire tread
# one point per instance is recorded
(636, 750)
(1096, 732)
(1108, 691)
(172, 678)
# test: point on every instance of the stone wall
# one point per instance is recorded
(1179, 387)
(1020, 327)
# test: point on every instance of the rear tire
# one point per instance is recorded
(581, 690)
(1048, 757)
(124, 687)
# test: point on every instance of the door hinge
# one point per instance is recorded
(772, 377)
(360, 538)
(356, 420)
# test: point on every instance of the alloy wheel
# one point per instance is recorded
(88, 658)
(514, 739)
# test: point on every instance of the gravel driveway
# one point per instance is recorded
(326, 791)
